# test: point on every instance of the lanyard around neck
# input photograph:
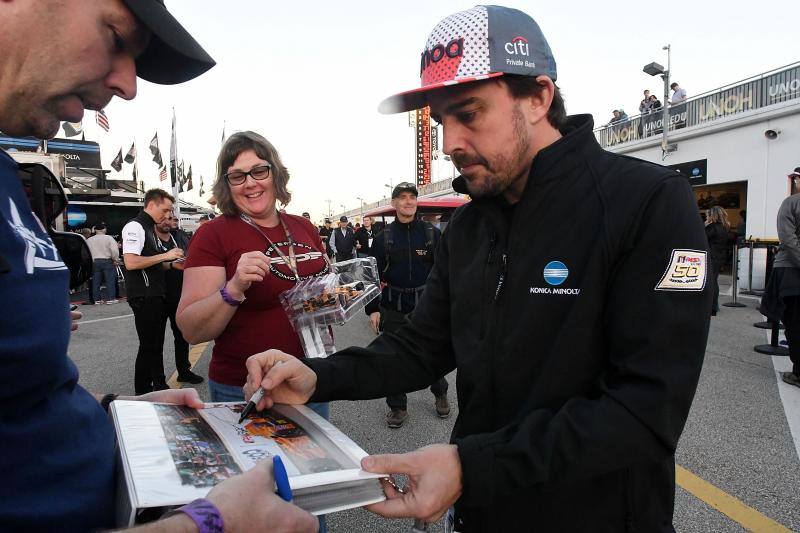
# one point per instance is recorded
(292, 259)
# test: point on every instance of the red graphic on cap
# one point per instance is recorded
(441, 62)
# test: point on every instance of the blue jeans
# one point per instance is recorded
(104, 269)
(228, 393)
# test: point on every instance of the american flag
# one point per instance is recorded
(102, 119)
(163, 174)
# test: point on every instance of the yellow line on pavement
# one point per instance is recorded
(195, 352)
(726, 504)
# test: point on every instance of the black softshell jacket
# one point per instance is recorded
(572, 392)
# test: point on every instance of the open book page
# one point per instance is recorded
(283, 431)
(175, 454)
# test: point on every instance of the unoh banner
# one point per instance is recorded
(769, 89)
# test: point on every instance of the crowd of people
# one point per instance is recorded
(572, 388)
(650, 104)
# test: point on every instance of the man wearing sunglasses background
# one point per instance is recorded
(56, 442)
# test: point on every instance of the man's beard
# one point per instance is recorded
(500, 177)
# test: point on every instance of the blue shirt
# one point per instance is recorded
(56, 443)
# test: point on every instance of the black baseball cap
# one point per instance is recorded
(403, 187)
(342, 218)
(172, 55)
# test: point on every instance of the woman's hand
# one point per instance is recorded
(252, 267)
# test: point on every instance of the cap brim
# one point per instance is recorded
(418, 98)
(172, 55)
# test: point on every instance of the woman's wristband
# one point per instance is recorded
(230, 300)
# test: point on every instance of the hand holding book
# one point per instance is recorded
(246, 506)
(434, 474)
(290, 382)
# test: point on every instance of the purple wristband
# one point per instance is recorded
(228, 299)
(203, 513)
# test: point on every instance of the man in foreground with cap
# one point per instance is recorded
(404, 251)
(570, 294)
(56, 441)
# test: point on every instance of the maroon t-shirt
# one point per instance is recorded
(260, 323)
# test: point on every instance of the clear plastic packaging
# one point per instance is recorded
(314, 304)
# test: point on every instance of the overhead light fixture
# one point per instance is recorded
(653, 69)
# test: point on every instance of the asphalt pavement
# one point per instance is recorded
(737, 439)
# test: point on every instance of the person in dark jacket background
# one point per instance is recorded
(717, 228)
(404, 252)
(578, 334)
(343, 241)
(364, 237)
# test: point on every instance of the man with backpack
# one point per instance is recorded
(405, 253)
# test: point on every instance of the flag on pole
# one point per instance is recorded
(102, 119)
(163, 174)
(73, 129)
(116, 164)
(156, 151)
(189, 185)
(222, 141)
(173, 157)
(130, 157)
(181, 177)
(173, 166)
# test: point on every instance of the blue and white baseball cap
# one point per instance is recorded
(480, 43)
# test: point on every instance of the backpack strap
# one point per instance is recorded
(388, 242)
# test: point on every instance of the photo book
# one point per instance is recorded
(173, 454)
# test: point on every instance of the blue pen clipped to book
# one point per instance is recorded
(281, 478)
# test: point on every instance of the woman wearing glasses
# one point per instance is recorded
(240, 262)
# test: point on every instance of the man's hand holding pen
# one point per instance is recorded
(282, 376)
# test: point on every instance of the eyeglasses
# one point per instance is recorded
(237, 177)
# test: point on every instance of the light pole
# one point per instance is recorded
(361, 209)
(389, 186)
(330, 212)
(654, 69)
(343, 208)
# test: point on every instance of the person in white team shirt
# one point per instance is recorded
(105, 255)
(146, 260)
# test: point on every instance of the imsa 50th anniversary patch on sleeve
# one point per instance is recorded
(686, 271)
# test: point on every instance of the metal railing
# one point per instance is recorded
(765, 89)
